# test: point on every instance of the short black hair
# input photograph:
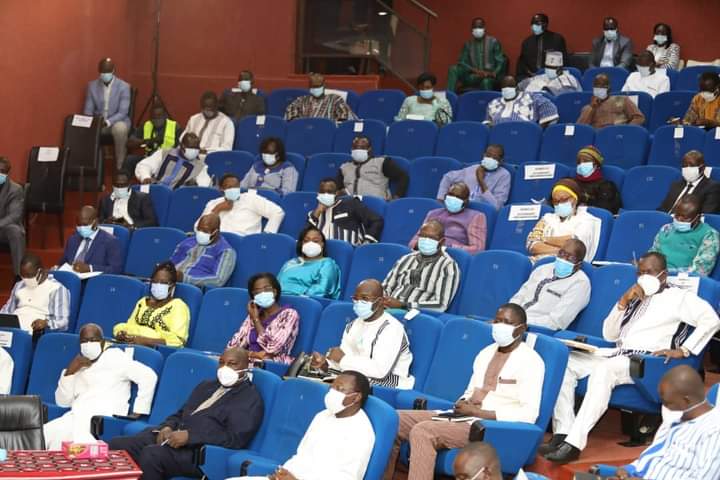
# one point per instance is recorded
(169, 267)
(363, 137)
(5, 161)
(301, 235)
(542, 16)
(226, 176)
(278, 143)
(658, 256)
(362, 384)
(669, 30)
(207, 95)
(122, 173)
(607, 19)
(517, 310)
(328, 180)
(31, 259)
(426, 76)
(267, 276)
(710, 76)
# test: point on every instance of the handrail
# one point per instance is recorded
(424, 8)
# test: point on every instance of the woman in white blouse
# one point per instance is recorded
(667, 53)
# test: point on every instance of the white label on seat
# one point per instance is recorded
(707, 171)
(635, 99)
(686, 282)
(106, 229)
(145, 188)
(679, 132)
(540, 172)
(717, 133)
(260, 120)
(48, 154)
(569, 130)
(519, 213)
(413, 116)
(83, 121)
(6, 339)
(358, 127)
(412, 313)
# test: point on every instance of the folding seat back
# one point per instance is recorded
(121, 234)
(423, 332)
(192, 296)
(252, 130)
(570, 104)
(633, 234)
(279, 99)
(671, 142)
(150, 246)
(625, 146)
(463, 260)
(187, 205)
(322, 165)
(297, 205)
(109, 300)
(711, 148)
(411, 139)
(380, 105)
(607, 219)
(521, 140)
(376, 204)
(375, 130)
(342, 253)
(53, 353)
(614, 174)
(669, 105)
(261, 252)
(374, 260)
(643, 100)
(160, 196)
(561, 143)
(21, 352)
(472, 106)
(333, 320)
(463, 141)
(221, 314)
(384, 420)
(689, 77)
(308, 136)
(404, 217)
(235, 162)
(426, 173)
(535, 180)
(617, 75)
(490, 218)
(74, 285)
(646, 186)
(512, 228)
(309, 311)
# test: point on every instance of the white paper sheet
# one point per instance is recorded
(83, 121)
(48, 154)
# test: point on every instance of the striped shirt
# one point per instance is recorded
(204, 266)
(686, 450)
(58, 306)
(423, 282)
(328, 106)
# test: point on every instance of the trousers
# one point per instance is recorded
(460, 73)
(604, 374)
(14, 236)
(119, 132)
(426, 437)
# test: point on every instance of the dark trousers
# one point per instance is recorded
(157, 462)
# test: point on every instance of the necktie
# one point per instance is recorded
(685, 191)
(83, 249)
(217, 394)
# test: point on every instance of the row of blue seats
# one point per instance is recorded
(625, 146)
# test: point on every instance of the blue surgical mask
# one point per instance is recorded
(327, 199)
(264, 299)
(610, 35)
(489, 164)
(564, 210)
(3, 178)
(428, 246)
(453, 204)
(202, 238)
(563, 268)
(317, 91)
(245, 85)
(85, 231)
(682, 227)
(537, 29)
(426, 94)
(106, 77)
(121, 192)
(160, 291)
(363, 309)
(508, 93)
(585, 169)
(551, 73)
(232, 194)
(660, 39)
(600, 92)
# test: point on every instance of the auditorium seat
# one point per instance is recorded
(342, 252)
(463, 141)
(512, 234)
(642, 100)
(569, 105)
(261, 252)
(53, 353)
(192, 296)
(617, 75)
(714, 221)
(521, 140)
(711, 148)
(109, 300)
(607, 220)
(297, 205)
(21, 352)
(689, 77)
(333, 320)
(374, 260)
(375, 130)
(74, 285)
(235, 162)
(221, 314)
(411, 139)
(490, 218)
(251, 131)
(426, 173)
(646, 186)
(561, 143)
(614, 174)
(323, 165)
(160, 196)
(472, 106)
(150, 246)
(187, 205)
(308, 136)
(633, 234)
(452, 99)
(624, 146)
(380, 105)
(673, 104)
(670, 143)
(404, 217)
(529, 190)
(279, 99)
(376, 204)
(463, 260)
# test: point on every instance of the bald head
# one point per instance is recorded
(106, 65)
(473, 458)
(209, 223)
(87, 215)
(685, 381)
(601, 81)
(91, 330)
(369, 288)
(236, 358)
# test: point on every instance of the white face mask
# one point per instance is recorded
(675, 416)
(121, 192)
(690, 174)
(91, 350)
(600, 92)
(191, 153)
(708, 96)
(359, 155)
(311, 249)
(650, 284)
(334, 401)
(227, 376)
(269, 159)
(31, 282)
(508, 93)
(502, 333)
(478, 33)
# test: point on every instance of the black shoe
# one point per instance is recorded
(565, 453)
(552, 445)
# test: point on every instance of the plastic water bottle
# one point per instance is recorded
(3, 455)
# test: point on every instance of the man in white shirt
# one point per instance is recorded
(374, 344)
(40, 302)
(338, 443)
(556, 292)
(554, 80)
(175, 167)
(97, 382)
(242, 213)
(686, 445)
(7, 366)
(215, 129)
(506, 385)
(647, 79)
(652, 317)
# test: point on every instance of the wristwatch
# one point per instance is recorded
(685, 351)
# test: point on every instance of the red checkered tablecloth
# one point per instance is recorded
(41, 465)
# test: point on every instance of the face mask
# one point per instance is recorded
(509, 93)
(563, 268)
(502, 333)
(327, 199)
(160, 291)
(3, 178)
(311, 249)
(708, 96)
(359, 155)
(106, 77)
(363, 309)
(483, 470)
(317, 91)
(478, 33)
(489, 163)
(551, 73)
(334, 401)
(158, 123)
(453, 204)
(610, 35)
(660, 39)
(227, 376)
(232, 194)
(269, 159)
(650, 284)
(643, 71)
(121, 192)
(536, 29)
(690, 174)
(208, 113)
(31, 282)
(245, 85)
(85, 231)
(191, 153)
(202, 238)
(564, 210)
(600, 92)
(264, 299)
(91, 350)
(426, 94)
(675, 416)
(428, 246)
(682, 227)
(585, 169)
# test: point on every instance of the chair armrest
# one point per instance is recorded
(406, 399)
(213, 461)
(106, 428)
(589, 339)
(650, 371)
(389, 395)
(541, 330)
(515, 442)
(278, 368)
(603, 470)
(166, 351)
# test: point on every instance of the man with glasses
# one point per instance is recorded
(556, 291)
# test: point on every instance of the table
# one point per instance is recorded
(43, 465)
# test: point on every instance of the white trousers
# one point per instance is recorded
(71, 426)
(604, 375)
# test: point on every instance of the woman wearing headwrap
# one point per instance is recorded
(596, 191)
(566, 222)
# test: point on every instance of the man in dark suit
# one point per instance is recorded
(612, 49)
(534, 47)
(12, 200)
(238, 103)
(225, 412)
(90, 249)
(694, 181)
(125, 206)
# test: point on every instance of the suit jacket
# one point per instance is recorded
(622, 51)
(105, 254)
(231, 422)
(235, 106)
(708, 190)
(119, 103)
(528, 62)
(12, 204)
(140, 209)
